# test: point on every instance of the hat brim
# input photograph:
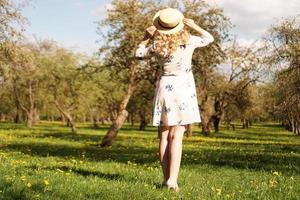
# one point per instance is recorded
(164, 30)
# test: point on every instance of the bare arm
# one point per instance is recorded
(142, 50)
(203, 33)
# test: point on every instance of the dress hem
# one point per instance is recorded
(155, 125)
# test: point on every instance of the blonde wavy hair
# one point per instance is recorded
(166, 44)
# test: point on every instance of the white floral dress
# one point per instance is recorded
(175, 100)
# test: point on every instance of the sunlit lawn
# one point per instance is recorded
(48, 162)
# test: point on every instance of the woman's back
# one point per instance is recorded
(179, 62)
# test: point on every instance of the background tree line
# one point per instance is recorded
(42, 80)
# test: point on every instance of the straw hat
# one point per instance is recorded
(168, 21)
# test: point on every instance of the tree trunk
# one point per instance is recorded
(3, 117)
(143, 120)
(216, 121)
(71, 122)
(189, 130)
(95, 121)
(115, 127)
(143, 124)
(251, 122)
(63, 119)
(216, 118)
(132, 119)
(205, 123)
(36, 116)
(243, 123)
(18, 116)
(247, 123)
(123, 113)
(30, 111)
(202, 91)
(66, 116)
(29, 119)
(73, 127)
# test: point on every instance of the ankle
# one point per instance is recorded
(171, 181)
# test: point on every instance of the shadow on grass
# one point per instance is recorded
(287, 163)
(83, 137)
(267, 161)
(81, 172)
(60, 126)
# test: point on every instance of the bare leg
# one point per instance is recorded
(164, 151)
(175, 151)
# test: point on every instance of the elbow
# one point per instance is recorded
(211, 39)
(139, 52)
(139, 55)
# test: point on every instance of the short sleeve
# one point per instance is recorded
(143, 51)
(202, 41)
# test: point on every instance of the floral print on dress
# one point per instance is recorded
(188, 70)
(182, 106)
(169, 87)
(169, 59)
(182, 46)
(193, 95)
(167, 110)
(158, 112)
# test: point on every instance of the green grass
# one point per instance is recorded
(48, 162)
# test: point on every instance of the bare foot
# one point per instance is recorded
(172, 186)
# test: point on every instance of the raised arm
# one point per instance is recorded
(142, 50)
(205, 37)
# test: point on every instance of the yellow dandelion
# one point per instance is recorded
(275, 173)
(23, 178)
(46, 182)
(29, 185)
(218, 190)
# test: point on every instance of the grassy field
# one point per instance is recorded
(48, 162)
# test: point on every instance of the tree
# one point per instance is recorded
(68, 84)
(22, 76)
(245, 66)
(283, 42)
(126, 21)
